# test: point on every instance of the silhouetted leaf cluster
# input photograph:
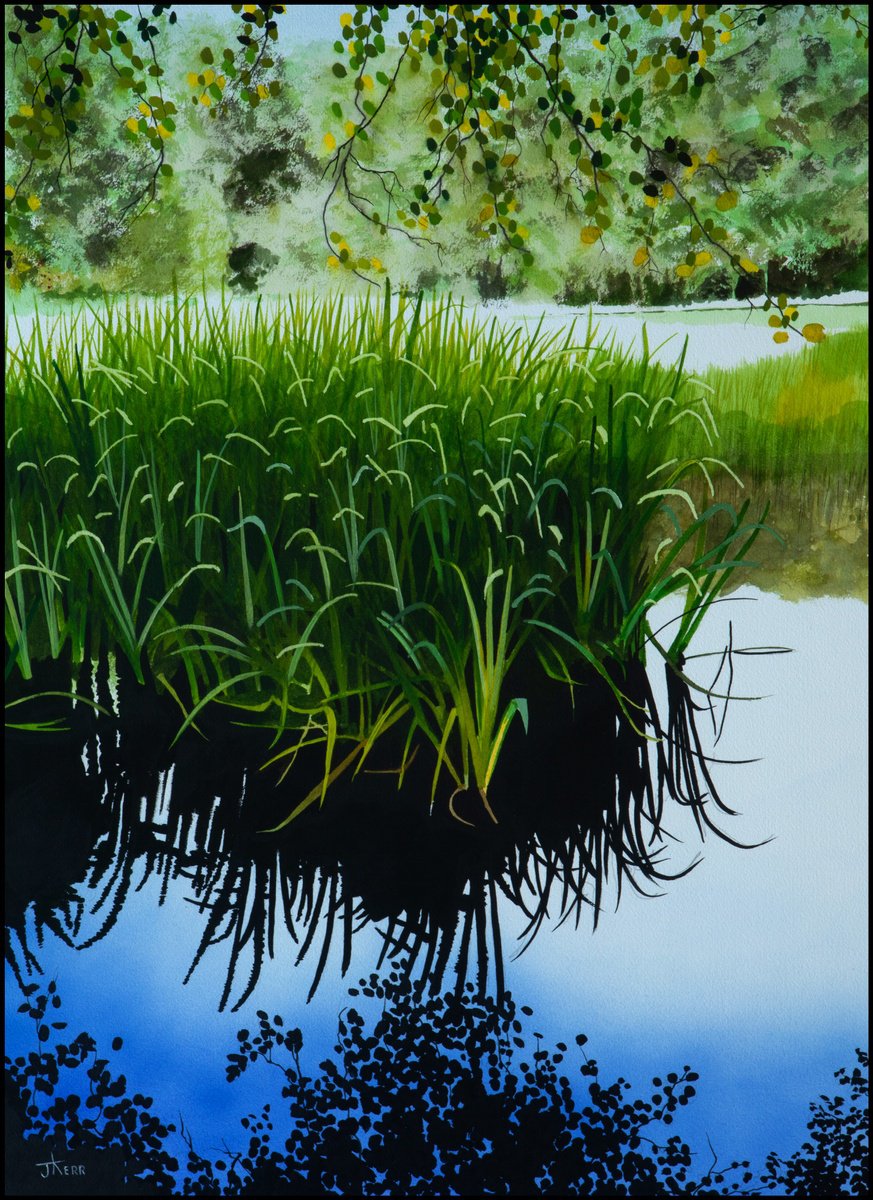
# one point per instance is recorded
(445, 1095)
(835, 1160)
(99, 1119)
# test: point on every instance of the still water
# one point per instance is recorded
(703, 325)
(751, 969)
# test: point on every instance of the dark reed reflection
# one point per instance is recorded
(581, 800)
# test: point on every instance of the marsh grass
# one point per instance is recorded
(800, 421)
(353, 526)
(795, 429)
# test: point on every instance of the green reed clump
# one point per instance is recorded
(347, 521)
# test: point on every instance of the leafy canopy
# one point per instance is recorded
(501, 79)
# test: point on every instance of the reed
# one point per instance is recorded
(344, 521)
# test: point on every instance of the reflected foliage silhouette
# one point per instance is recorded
(422, 1095)
(581, 800)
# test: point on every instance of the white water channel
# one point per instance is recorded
(720, 333)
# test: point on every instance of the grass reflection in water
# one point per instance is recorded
(582, 803)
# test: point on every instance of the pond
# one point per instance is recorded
(751, 968)
(703, 325)
(667, 328)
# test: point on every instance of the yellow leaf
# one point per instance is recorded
(462, 91)
(208, 77)
(503, 101)
(668, 191)
(33, 202)
(332, 261)
(423, 221)
(250, 8)
(206, 100)
(376, 264)
(684, 271)
(222, 82)
(132, 124)
(350, 128)
(701, 58)
(774, 321)
(791, 313)
(725, 36)
(263, 92)
(25, 110)
(712, 156)
(193, 79)
(485, 121)
(345, 20)
(465, 127)
(813, 332)
(651, 201)
(702, 258)
(695, 163)
(509, 160)
(367, 81)
(726, 201)
(145, 109)
(641, 257)
(597, 44)
(329, 142)
(163, 132)
(590, 234)
(10, 192)
(487, 212)
(597, 119)
(780, 337)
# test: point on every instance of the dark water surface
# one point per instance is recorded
(131, 863)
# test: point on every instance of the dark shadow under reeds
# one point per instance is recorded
(582, 801)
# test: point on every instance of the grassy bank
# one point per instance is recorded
(795, 429)
(801, 419)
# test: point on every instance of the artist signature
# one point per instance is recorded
(53, 1167)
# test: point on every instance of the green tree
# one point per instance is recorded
(580, 88)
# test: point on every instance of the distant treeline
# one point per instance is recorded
(788, 118)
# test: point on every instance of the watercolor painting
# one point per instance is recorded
(436, 600)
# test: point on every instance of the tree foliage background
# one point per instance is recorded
(658, 153)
